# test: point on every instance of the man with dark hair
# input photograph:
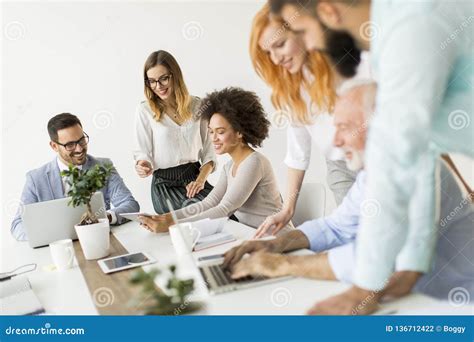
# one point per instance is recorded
(70, 143)
(421, 56)
(339, 45)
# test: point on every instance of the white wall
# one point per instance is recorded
(87, 59)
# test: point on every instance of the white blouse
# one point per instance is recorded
(321, 132)
(166, 144)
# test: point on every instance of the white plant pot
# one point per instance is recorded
(94, 239)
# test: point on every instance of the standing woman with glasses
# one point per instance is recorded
(171, 139)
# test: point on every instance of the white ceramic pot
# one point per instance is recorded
(94, 239)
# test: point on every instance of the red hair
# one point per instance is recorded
(286, 87)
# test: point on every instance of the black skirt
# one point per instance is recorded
(170, 184)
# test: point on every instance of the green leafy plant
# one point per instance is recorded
(160, 303)
(83, 184)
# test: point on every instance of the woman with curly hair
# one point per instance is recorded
(247, 187)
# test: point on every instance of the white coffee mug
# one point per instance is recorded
(210, 227)
(62, 253)
(184, 237)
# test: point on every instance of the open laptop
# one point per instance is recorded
(218, 280)
(54, 220)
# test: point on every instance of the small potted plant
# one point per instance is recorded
(160, 303)
(93, 232)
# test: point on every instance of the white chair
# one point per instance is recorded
(311, 203)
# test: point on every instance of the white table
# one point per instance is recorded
(66, 292)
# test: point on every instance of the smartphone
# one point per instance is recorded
(125, 261)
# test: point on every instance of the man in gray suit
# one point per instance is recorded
(70, 142)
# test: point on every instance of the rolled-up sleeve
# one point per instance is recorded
(298, 147)
(341, 226)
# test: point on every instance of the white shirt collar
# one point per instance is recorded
(63, 166)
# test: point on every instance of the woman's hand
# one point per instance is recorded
(274, 223)
(157, 223)
(143, 168)
(193, 188)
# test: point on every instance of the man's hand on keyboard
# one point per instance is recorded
(234, 255)
(262, 264)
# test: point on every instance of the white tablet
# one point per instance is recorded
(125, 261)
(134, 216)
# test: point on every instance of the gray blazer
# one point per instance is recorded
(44, 184)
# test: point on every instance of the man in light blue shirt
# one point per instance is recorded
(70, 143)
(452, 267)
(421, 53)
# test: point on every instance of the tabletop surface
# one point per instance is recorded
(66, 292)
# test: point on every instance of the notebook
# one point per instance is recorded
(213, 240)
(212, 233)
(17, 298)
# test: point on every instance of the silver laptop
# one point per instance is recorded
(218, 280)
(54, 220)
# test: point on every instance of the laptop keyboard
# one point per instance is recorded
(222, 277)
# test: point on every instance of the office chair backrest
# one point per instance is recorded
(311, 203)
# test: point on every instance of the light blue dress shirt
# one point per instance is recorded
(422, 59)
(342, 225)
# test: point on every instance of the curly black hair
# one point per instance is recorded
(242, 109)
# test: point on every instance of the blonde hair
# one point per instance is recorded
(181, 94)
(285, 86)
